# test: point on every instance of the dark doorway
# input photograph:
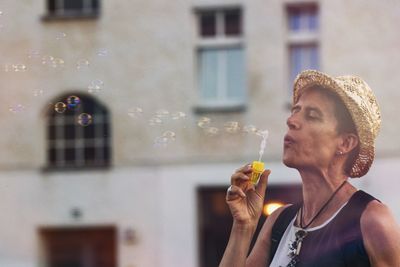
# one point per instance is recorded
(215, 220)
(80, 247)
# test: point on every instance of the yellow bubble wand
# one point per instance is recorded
(258, 165)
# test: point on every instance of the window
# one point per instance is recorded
(303, 18)
(303, 49)
(72, 8)
(303, 57)
(221, 60)
(71, 144)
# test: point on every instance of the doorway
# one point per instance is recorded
(80, 247)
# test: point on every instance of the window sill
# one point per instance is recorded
(53, 169)
(70, 17)
(203, 108)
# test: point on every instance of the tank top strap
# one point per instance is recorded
(279, 227)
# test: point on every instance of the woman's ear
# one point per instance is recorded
(349, 141)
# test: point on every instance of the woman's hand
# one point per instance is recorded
(244, 199)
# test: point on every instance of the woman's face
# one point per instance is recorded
(312, 139)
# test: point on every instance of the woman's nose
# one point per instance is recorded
(292, 123)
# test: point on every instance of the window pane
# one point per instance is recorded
(294, 19)
(73, 5)
(69, 155)
(295, 62)
(207, 24)
(314, 58)
(69, 131)
(303, 57)
(303, 18)
(52, 132)
(51, 6)
(106, 154)
(95, 5)
(208, 73)
(52, 155)
(90, 153)
(236, 82)
(313, 21)
(233, 22)
(89, 131)
(106, 130)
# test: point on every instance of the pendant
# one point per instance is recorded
(300, 235)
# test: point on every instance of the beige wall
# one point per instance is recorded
(150, 64)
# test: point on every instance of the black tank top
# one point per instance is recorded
(338, 244)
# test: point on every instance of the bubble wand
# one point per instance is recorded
(258, 166)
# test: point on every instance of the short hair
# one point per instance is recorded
(345, 122)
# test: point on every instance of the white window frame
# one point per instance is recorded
(219, 41)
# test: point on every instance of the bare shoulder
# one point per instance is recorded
(377, 217)
(381, 235)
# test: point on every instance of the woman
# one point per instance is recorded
(330, 137)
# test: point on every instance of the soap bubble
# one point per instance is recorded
(160, 142)
(232, 127)
(73, 102)
(60, 107)
(57, 63)
(47, 60)
(16, 108)
(102, 52)
(19, 67)
(203, 122)
(52, 61)
(84, 119)
(211, 131)
(178, 115)
(250, 129)
(135, 112)
(82, 64)
(169, 134)
(95, 86)
(61, 35)
(38, 92)
(166, 138)
(33, 54)
(155, 121)
(162, 113)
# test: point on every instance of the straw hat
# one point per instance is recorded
(361, 103)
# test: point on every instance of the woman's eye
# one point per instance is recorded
(312, 116)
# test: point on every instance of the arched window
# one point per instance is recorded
(78, 133)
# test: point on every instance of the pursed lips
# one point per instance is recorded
(288, 140)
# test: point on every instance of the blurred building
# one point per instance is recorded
(140, 180)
